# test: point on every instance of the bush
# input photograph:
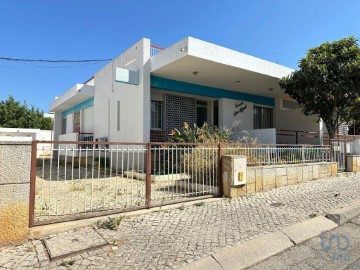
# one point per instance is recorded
(204, 134)
(110, 223)
(201, 161)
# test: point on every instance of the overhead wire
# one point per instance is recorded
(52, 61)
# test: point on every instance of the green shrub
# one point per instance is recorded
(110, 223)
(204, 134)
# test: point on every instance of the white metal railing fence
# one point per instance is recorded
(259, 155)
(183, 170)
(338, 153)
(155, 50)
(88, 177)
(79, 177)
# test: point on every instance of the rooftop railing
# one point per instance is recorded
(155, 49)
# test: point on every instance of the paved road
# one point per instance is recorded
(312, 254)
(173, 238)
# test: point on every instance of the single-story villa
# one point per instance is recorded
(147, 91)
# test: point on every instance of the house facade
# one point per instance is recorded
(147, 91)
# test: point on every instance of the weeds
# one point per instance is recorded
(67, 263)
(312, 215)
(110, 223)
(77, 186)
(182, 207)
(199, 204)
(44, 206)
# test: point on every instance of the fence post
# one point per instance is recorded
(303, 153)
(219, 176)
(148, 175)
(32, 183)
(331, 150)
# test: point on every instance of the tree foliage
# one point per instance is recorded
(13, 114)
(327, 83)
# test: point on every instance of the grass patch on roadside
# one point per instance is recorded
(110, 223)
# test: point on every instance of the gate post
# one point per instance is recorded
(219, 176)
(148, 175)
(14, 190)
(32, 183)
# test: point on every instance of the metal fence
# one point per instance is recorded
(260, 155)
(183, 170)
(338, 153)
(80, 179)
(83, 177)
(155, 49)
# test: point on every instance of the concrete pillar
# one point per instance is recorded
(353, 163)
(15, 160)
(232, 167)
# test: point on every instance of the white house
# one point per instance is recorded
(145, 92)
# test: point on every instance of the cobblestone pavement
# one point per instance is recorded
(172, 238)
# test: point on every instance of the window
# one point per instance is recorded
(288, 104)
(63, 126)
(216, 113)
(76, 121)
(263, 117)
(156, 114)
(201, 113)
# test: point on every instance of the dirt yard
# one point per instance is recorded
(62, 190)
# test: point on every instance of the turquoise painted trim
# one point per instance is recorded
(200, 90)
(83, 105)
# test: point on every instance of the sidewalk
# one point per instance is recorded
(316, 253)
(317, 243)
(175, 238)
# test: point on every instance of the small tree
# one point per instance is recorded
(13, 114)
(327, 83)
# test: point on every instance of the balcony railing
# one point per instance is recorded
(155, 49)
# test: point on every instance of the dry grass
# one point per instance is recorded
(64, 191)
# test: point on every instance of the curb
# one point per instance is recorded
(340, 216)
(38, 232)
(264, 246)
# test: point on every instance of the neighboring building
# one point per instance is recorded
(147, 91)
(29, 134)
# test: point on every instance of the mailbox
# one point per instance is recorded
(239, 173)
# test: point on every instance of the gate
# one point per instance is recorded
(338, 153)
(73, 179)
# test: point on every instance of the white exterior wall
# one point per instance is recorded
(262, 136)
(57, 125)
(69, 124)
(134, 99)
(87, 120)
(226, 116)
(294, 120)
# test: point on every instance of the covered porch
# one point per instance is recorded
(195, 82)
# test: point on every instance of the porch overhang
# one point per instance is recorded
(76, 95)
(201, 63)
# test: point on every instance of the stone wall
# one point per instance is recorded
(15, 159)
(264, 178)
(353, 163)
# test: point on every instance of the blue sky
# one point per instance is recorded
(279, 31)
